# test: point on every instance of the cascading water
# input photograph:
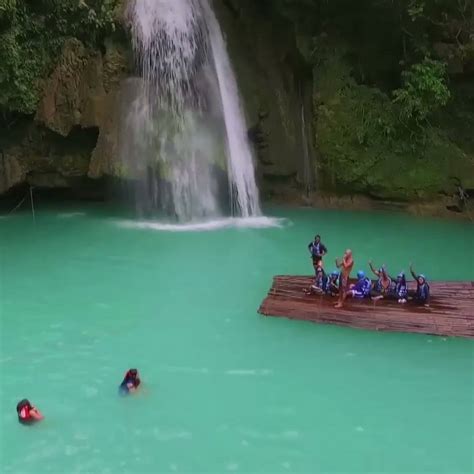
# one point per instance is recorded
(185, 139)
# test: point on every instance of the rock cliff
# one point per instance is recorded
(319, 84)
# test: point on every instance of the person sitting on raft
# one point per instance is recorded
(320, 283)
(401, 288)
(317, 250)
(27, 413)
(333, 284)
(130, 382)
(383, 286)
(422, 293)
(362, 288)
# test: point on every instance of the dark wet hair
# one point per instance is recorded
(317, 237)
(131, 373)
(22, 404)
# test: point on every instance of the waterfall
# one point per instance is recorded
(184, 136)
(306, 157)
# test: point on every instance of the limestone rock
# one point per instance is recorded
(74, 93)
(271, 85)
(84, 92)
(12, 170)
(104, 159)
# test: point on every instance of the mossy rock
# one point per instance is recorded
(364, 147)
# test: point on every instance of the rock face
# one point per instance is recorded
(42, 158)
(316, 120)
(74, 93)
(275, 86)
(74, 133)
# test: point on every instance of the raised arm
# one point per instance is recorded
(374, 271)
(36, 414)
(413, 274)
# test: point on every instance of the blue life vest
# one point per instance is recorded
(401, 290)
(423, 292)
(363, 286)
(379, 286)
(317, 249)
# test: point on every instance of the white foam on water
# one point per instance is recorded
(261, 222)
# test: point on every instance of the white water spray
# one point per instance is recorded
(185, 125)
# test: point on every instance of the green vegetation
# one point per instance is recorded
(394, 94)
(32, 33)
(365, 147)
(393, 80)
(424, 91)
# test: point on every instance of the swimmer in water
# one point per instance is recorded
(27, 413)
(130, 382)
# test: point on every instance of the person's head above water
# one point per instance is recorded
(130, 382)
(25, 403)
(27, 413)
(131, 374)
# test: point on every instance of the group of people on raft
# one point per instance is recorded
(29, 414)
(336, 283)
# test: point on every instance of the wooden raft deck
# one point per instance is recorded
(451, 311)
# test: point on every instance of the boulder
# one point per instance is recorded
(12, 170)
(74, 93)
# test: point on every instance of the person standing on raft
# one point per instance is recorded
(345, 265)
(27, 413)
(317, 250)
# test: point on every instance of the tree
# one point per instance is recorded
(424, 91)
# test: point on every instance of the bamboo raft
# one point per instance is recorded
(450, 313)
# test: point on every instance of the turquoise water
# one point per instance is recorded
(84, 297)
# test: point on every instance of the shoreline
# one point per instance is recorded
(442, 208)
